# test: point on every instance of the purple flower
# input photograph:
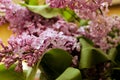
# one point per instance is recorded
(17, 16)
(58, 3)
(104, 31)
(81, 7)
(9, 60)
(30, 48)
(34, 34)
(2, 20)
(19, 67)
(65, 27)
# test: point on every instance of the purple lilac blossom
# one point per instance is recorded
(81, 7)
(22, 20)
(104, 32)
(2, 20)
(35, 34)
(65, 27)
(29, 48)
(2, 11)
(17, 16)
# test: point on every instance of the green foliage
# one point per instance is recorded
(37, 6)
(115, 74)
(43, 76)
(69, 15)
(31, 2)
(10, 74)
(26, 1)
(83, 22)
(117, 59)
(47, 12)
(112, 54)
(70, 74)
(35, 2)
(90, 56)
(44, 10)
(54, 62)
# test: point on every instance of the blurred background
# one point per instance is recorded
(116, 1)
(115, 8)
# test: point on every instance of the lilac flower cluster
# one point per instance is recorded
(62, 25)
(104, 31)
(87, 9)
(2, 11)
(33, 35)
(2, 20)
(29, 48)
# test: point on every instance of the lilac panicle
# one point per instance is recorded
(2, 20)
(9, 60)
(35, 34)
(19, 67)
(29, 48)
(104, 31)
(62, 25)
(81, 7)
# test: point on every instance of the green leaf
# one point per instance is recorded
(70, 74)
(10, 74)
(48, 12)
(112, 53)
(54, 62)
(116, 68)
(88, 43)
(83, 22)
(115, 73)
(44, 10)
(90, 56)
(26, 1)
(42, 76)
(68, 14)
(117, 59)
(33, 2)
